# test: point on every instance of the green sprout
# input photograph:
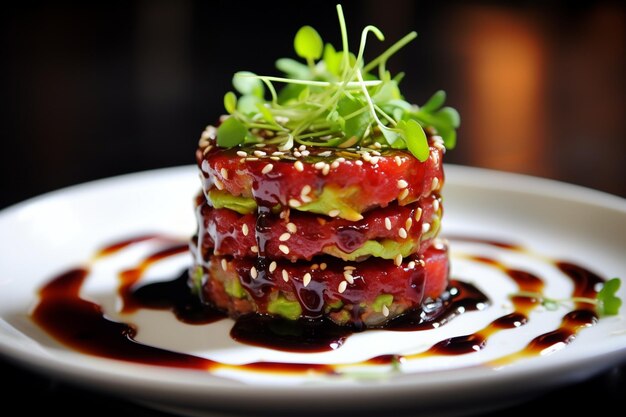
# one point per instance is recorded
(606, 303)
(334, 99)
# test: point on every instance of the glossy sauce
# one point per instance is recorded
(323, 335)
(83, 326)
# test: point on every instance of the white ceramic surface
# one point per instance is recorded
(46, 235)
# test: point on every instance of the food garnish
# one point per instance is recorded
(606, 303)
(334, 99)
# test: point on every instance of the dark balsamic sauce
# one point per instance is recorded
(83, 326)
(260, 285)
(460, 297)
(321, 335)
(302, 335)
(173, 295)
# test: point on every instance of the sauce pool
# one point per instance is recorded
(82, 325)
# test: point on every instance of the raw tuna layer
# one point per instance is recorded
(362, 293)
(383, 232)
(357, 179)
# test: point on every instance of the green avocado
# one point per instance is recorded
(382, 300)
(196, 280)
(223, 199)
(334, 198)
(233, 288)
(280, 306)
(386, 249)
(331, 198)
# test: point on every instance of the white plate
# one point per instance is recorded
(51, 233)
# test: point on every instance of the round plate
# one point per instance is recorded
(52, 233)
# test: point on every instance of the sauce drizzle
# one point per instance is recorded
(82, 325)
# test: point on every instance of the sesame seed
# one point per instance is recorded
(294, 203)
(260, 145)
(348, 277)
(314, 266)
(323, 266)
(242, 154)
(253, 273)
(245, 230)
(305, 153)
(278, 153)
(306, 279)
(285, 275)
(334, 213)
(273, 266)
(411, 265)
(254, 249)
(292, 228)
(319, 165)
(375, 153)
(297, 154)
(418, 214)
(374, 160)
(259, 153)
(242, 160)
(436, 204)
(267, 168)
(385, 311)
(306, 198)
(219, 184)
(224, 264)
(302, 147)
(422, 262)
(398, 160)
(284, 249)
(435, 184)
(341, 160)
(439, 244)
(274, 158)
(366, 156)
(402, 184)
(252, 159)
(358, 162)
(349, 268)
(425, 227)
(377, 145)
(387, 223)
(284, 237)
(224, 173)
(342, 287)
(324, 154)
(326, 169)
(408, 224)
(305, 190)
(402, 233)
(334, 165)
(403, 194)
(398, 259)
(298, 166)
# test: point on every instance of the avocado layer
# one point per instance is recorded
(330, 199)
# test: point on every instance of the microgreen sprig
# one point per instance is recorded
(333, 100)
(606, 303)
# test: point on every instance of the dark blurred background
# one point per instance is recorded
(95, 89)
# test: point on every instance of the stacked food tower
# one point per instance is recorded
(324, 200)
